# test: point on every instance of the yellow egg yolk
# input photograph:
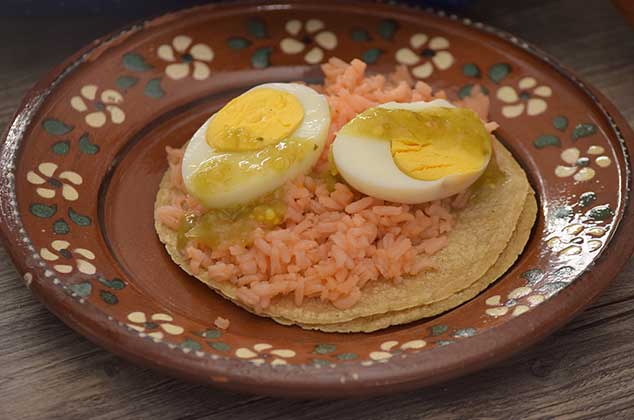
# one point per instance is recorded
(428, 144)
(254, 120)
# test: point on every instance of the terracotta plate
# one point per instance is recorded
(82, 159)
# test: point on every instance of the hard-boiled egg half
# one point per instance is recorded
(258, 141)
(412, 152)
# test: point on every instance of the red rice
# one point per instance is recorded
(331, 243)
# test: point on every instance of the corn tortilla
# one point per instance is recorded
(504, 262)
(493, 213)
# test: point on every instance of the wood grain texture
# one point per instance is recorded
(47, 371)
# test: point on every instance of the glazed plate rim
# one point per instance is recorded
(418, 369)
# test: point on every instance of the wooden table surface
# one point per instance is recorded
(583, 371)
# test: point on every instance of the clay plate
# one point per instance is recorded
(83, 157)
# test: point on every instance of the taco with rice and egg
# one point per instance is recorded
(347, 207)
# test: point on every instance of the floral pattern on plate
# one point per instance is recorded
(82, 130)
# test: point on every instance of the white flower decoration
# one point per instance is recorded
(579, 166)
(49, 184)
(186, 58)
(496, 308)
(157, 322)
(387, 348)
(424, 55)
(66, 260)
(529, 98)
(107, 104)
(259, 352)
(311, 36)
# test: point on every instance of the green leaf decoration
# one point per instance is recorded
(135, 62)
(562, 212)
(81, 289)
(115, 283)
(552, 287)
(533, 276)
(583, 130)
(108, 297)
(603, 212)
(237, 43)
(499, 71)
(546, 140)
(86, 147)
(61, 147)
(563, 273)
(471, 70)
(445, 342)
(347, 356)
(359, 35)
(372, 55)
(56, 127)
(587, 198)
(464, 332)
(126, 82)
(78, 219)
(465, 91)
(387, 28)
(437, 330)
(220, 346)
(256, 28)
(324, 348)
(560, 122)
(190, 344)
(321, 362)
(42, 210)
(153, 89)
(261, 58)
(211, 333)
(60, 227)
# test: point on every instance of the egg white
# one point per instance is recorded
(313, 128)
(368, 166)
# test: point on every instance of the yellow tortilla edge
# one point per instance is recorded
(507, 259)
(228, 290)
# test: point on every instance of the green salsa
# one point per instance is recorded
(428, 144)
(235, 224)
(225, 170)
